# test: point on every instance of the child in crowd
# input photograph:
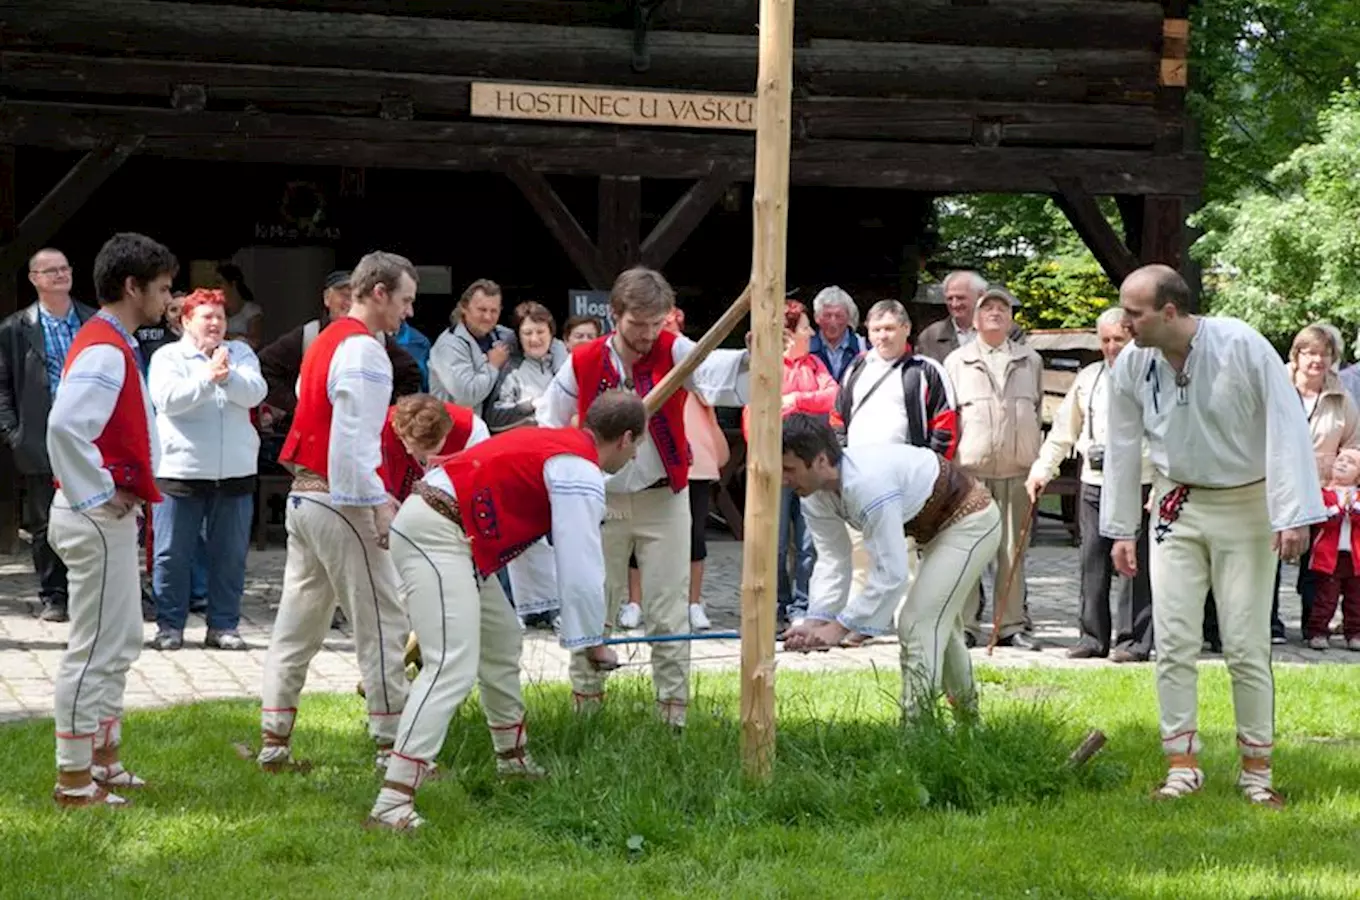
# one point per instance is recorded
(1335, 545)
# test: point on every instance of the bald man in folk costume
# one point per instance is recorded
(1235, 486)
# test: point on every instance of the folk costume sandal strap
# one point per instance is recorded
(115, 776)
(1183, 778)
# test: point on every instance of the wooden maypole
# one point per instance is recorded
(771, 208)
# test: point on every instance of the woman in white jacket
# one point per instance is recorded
(204, 388)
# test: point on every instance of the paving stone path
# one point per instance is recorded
(30, 649)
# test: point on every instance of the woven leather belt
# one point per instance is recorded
(310, 484)
(440, 502)
(955, 495)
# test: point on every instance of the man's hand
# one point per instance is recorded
(827, 634)
(1290, 543)
(1034, 486)
(383, 514)
(1125, 556)
(498, 354)
(796, 636)
(123, 502)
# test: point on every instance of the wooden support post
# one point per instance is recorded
(85, 177)
(1084, 213)
(682, 218)
(9, 302)
(1163, 230)
(620, 225)
(774, 103)
(563, 225)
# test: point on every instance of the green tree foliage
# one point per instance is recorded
(1026, 243)
(1260, 72)
(1288, 252)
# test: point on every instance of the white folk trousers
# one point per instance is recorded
(333, 556)
(859, 564)
(930, 626)
(655, 524)
(1221, 539)
(468, 634)
(105, 606)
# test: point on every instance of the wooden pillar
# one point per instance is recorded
(9, 302)
(763, 462)
(620, 222)
(1163, 239)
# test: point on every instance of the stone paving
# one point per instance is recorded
(30, 649)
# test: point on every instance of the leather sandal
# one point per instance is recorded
(100, 797)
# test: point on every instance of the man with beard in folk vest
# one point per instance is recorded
(648, 500)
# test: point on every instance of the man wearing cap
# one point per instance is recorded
(998, 391)
(281, 361)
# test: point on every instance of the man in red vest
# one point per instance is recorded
(339, 513)
(101, 437)
(423, 431)
(648, 500)
(464, 521)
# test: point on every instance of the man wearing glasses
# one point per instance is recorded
(33, 346)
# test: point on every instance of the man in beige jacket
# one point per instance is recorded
(998, 390)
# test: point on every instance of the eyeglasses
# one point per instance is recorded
(53, 272)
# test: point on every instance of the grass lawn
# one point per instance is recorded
(858, 808)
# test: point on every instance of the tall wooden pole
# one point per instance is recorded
(758, 578)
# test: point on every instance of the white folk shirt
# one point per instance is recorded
(722, 379)
(204, 427)
(1080, 422)
(359, 386)
(576, 498)
(1237, 421)
(81, 410)
(883, 487)
(879, 417)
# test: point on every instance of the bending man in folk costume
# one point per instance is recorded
(339, 513)
(101, 437)
(421, 432)
(648, 500)
(1235, 485)
(463, 522)
(890, 493)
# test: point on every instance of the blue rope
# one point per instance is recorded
(670, 638)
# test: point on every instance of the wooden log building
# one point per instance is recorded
(466, 134)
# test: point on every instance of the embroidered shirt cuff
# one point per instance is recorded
(91, 502)
(351, 500)
(582, 642)
(860, 628)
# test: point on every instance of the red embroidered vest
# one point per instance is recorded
(400, 469)
(501, 493)
(593, 365)
(308, 442)
(125, 443)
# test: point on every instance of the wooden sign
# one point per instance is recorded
(613, 106)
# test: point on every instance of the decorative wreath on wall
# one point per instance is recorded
(303, 206)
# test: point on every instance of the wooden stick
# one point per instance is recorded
(676, 377)
(1089, 748)
(763, 469)
(997, 601)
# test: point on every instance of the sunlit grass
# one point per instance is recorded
(858, 807)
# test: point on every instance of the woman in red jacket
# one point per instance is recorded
(808, 388)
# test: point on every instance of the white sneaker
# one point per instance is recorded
(1353, 644)
(698, 619)
(1318, 642)
(630, 616)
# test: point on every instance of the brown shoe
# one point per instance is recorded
(1082, 651)
(1127, 656)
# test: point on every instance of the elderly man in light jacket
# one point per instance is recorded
(1079, 425)
(470, 359)
(998, 390)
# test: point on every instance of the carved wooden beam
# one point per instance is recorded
(68, 196)
(684, 216)
(560, 222)
(1084, 213)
